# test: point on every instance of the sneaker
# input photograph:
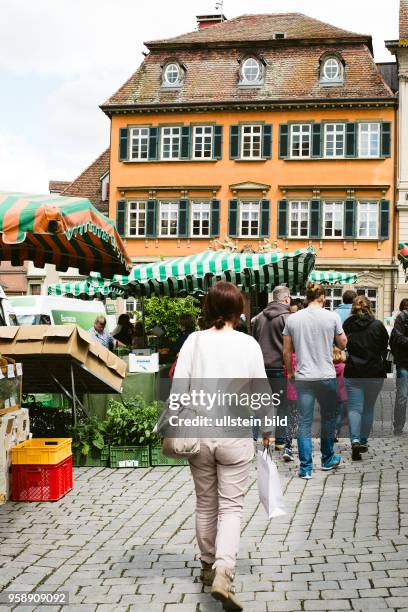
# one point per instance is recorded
(287, 455)
(332, 463)
(363, 448)
(355, 451)
(305, 473)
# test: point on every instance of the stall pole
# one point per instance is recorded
(74, 414)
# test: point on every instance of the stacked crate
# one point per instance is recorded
(41, 469)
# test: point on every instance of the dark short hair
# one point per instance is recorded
(404, 304)
(223, 303)
(349, 296)
(123, 318)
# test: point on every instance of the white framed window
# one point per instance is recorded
(251, 137)
(333, 297)
(169, 212)
(331, 69)
(299, 219)
(371, 293)
(300, 139)
(172, 74)
(367, 220)
(251, 71)
(249, 219)
(369, 139)
(333, 219)
(200, 218)
(334, 139)
(202, 141)
(136, 218)
(139, 143)
(170, 142)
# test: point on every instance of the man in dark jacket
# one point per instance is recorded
(399, 347)
(267, 329)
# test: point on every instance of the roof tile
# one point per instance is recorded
(88, 183)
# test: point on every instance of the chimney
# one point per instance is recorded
(403, 20)
(205, 21)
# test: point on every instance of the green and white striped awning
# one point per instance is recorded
(94, 286)
(332, 278)
(403, 257)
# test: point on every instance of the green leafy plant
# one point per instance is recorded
(165, 312)
(88, 436)
(131, 423)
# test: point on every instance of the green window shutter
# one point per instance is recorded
(267, 141)
(215, 218)
(384, 219)
(121, 217)
(234, 141)
(185, 142)
(386, 139)
(151, 219)
(154, 143)
(217, 141)
(233, 218)
(283, 213)
(265, 214)
(123, 144)
(317, 140)
(315, 219)
(351, 139)
(283, 141)
(183, 218)
(350, 218)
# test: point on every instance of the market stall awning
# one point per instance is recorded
(403, 257)
(196, 273)
(67, 232)
(332, 277)
(87, 289)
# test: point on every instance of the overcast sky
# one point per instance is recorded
(60, 59)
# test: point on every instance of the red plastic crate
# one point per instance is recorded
(41, 482)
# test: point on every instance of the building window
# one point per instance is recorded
(200, 219)
(170, 142)
(249, 219)
(139, 143)
(369, 140)
(331, 69)
(136, 218)
(251, 137)
(132, 306)
(367, 220)
(172, 74)
(333, 219)
(34, 289)
(169, 218)
(300, 140)
(333, 297)
(334, 138)
(370, 293)
(203, 142)
(299, 219)
(251, 71)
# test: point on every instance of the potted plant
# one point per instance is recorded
(88, 443)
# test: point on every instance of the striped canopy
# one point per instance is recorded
(332, 277)
(403, 256)
(67, 232)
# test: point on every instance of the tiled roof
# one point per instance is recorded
(292, 73)
(403, 19)
(88, 184)
(246, 28)
(58, 186)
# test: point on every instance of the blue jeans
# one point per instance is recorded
(325, 392)
(362, 395)
(400, 408)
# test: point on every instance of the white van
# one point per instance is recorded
(51, 310)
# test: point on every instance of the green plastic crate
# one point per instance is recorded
(95, 458)
(157, 458)
(129, 456)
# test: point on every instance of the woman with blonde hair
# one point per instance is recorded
(364, 372)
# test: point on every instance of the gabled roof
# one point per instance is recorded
(261, 27)
(88, 183)
(58, 186)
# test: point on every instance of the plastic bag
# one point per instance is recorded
(269, 486)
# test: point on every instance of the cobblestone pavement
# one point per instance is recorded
(124, 540)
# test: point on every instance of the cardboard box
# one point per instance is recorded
(144, 363)
(29, 338)
(66, 340)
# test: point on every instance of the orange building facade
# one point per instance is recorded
(263, 129)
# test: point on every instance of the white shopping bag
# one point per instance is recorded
(269, 486)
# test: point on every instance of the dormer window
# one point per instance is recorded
(251, 71)
(172, 75)
(331, 70)
(279, 35)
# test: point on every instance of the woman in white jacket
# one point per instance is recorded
(221, 468)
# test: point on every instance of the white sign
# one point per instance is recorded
(10, 371)
(144, 363)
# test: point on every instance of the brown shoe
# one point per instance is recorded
(207, 574)
(223, 590)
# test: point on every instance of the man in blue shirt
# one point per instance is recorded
(344, 310)
(103, 337)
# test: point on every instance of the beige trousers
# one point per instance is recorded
(220, 473)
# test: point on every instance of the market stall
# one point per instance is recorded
(403, 257)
